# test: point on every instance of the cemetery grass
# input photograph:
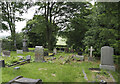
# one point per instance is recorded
(53, 71)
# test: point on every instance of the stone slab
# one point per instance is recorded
(19, 51)
(107, 67)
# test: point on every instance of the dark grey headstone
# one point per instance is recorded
(2, 63)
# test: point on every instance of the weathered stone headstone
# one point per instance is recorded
(19, 51)
(91, 57)
(6, 53)
(2, 63)
(0, 46)
(25, 48)
(39, 54)
(55, 51)
(28, 57)
(107, 58)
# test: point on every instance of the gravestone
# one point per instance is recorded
(28, 57)
(39, 54)
(91, 57)
(55, 51)
(19, 51)
(107, 58)
(0, 46)
(6, 53)
(25, 48)
(2, 63)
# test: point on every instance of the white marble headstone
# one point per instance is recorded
(107, 58)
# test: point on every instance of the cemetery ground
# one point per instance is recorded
(56, 70)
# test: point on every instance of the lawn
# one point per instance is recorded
(55, 71)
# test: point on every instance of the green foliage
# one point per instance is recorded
(8, 43)
(99, 37)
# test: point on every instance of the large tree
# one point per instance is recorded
(9, 17)
(58, 14)
(104, 27)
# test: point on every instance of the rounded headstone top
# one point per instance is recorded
(106, 47)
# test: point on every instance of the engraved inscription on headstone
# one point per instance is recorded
(39, 54)
(107, 58)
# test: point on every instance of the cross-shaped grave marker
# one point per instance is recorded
(91, 49)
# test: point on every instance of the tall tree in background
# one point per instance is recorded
(104, 27)
(77, 26)
(58, 14)
(9, 17)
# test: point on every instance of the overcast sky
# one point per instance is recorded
(22, 24)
